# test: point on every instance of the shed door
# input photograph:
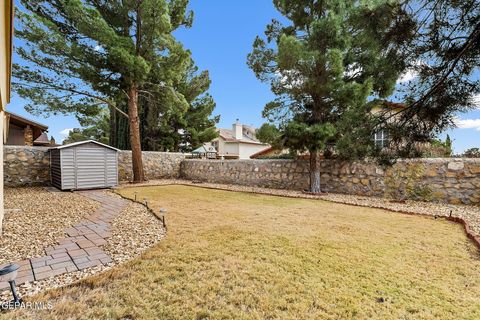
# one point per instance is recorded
(90, 165)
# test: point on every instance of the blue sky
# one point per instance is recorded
(220, 39)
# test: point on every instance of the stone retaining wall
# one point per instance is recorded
(30, 166)
(26, 166)
(158, 165)
(446, 180)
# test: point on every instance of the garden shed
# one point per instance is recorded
(84, 165)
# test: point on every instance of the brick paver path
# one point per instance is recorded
(82, 246)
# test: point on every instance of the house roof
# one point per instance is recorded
(261, 152)
(394, 105)
(228, 136)
(23, 122)
(43, 139)
(19, 121)
(85, 142)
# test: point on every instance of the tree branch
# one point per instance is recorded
(471, 40)
(71, 90)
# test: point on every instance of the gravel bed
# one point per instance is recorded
(35, 218)
(469, 213)
(133, 231)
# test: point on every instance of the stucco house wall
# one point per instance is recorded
(247, 149)
(229, 149)
(6, 46)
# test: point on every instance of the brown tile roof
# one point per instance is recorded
(261, 153)
(43, 140)
(394, 105)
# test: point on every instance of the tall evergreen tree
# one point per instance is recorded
(81, 54)
(323, 65)
(175, 126)
(93, 128)
(448, 146)
(443, 55)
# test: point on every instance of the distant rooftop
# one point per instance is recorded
(228, 135)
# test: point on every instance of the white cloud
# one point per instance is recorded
(97, 48)
(408, 76)
(468, 123)
(411, 73)
(65, 132)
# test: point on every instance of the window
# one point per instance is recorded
(381, 139)
(215, 145)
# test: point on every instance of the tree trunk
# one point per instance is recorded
(135, 142)
(315, 171)
(112, 135)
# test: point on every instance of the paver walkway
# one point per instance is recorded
(80, 249)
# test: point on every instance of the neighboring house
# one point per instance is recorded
(382, 139)
(238, 143)
(6, 46)
(20, 131)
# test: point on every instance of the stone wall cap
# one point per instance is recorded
(246, 161)
(364, 161)
(27, 147)
(155, 152)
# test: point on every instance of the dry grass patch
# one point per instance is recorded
(236, 255)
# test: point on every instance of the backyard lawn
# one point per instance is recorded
(238, 255)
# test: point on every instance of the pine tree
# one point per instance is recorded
(444, 55)
(200, 126)
(80, 55)
(324, 65)
(93, 128)
(448, 146)
(173, 124)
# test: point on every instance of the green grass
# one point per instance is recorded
(234, 255)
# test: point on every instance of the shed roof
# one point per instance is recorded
(85, 142)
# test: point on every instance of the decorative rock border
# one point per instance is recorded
(81, 248)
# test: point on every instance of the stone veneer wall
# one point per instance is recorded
(26, 166)
(30, 166)
(446, 180)
(158, 165)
